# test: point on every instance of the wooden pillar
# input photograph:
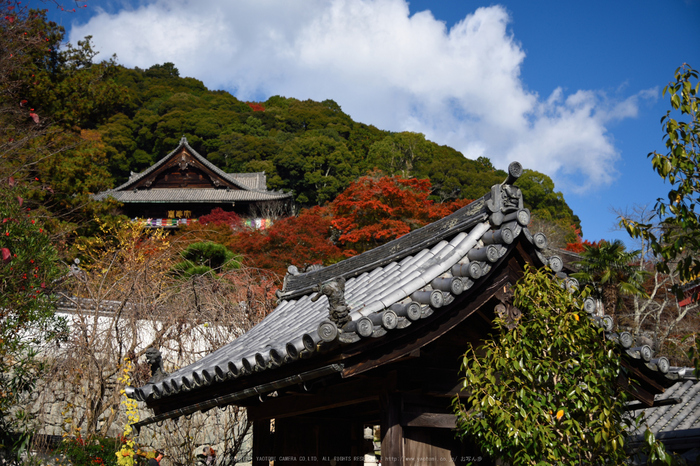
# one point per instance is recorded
(262, 443)
(392, 431)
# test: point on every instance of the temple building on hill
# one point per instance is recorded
(184, 185)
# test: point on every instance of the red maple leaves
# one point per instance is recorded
(377, 209)
(578, 246)
(256, 107)
(302, 241)
(373, 210)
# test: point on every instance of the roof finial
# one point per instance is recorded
(183, 139)
(338, 311)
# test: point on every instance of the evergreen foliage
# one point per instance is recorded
(105, 121)
(205, 257)
(28, 269)
(610, 268)
(544, 392)
(679, 243)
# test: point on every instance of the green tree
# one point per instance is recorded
(361, 139)
(678, 243)
(455, 177)
(237, 150)
(543, 200)
(309, 115)
(674, 233)
(48, 94)
(544, 392)
(400, 153)
(79, 92)
(315, 167)
(609, 268)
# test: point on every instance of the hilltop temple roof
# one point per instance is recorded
(185, 176)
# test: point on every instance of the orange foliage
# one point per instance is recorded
(302, 240)
(578, 246)
(374, 210)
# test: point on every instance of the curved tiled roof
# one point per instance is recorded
(674, 419)
(386, 290)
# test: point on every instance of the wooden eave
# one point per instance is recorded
(178, 163)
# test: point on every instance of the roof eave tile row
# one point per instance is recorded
(679, 409)
(191, 195)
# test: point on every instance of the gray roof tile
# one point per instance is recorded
(681, 416)
(184, 144)
(366, 294)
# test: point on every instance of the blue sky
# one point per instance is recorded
(572, 89)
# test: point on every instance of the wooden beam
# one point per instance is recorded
(336, 396)
(262, 443)
(641, 377)
(436, 420)
(636, 391)
(392, 431)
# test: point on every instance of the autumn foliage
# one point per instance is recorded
(579, 245)
(256, 107)
(219, 217)
(376, 209)
(302, 241)
(371, 211)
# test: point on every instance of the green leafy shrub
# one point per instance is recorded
(544, 392)
(205, 257)
(94, 451)
(28, 269)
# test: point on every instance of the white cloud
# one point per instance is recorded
(459, 87)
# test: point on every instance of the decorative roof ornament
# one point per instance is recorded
(338, 311)
(155, 360)
(506, 198)
(183, 162)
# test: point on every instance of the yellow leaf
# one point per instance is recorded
(576, 317)
(560, 414)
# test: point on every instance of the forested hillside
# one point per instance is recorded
(311, 148)
(78, 126)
